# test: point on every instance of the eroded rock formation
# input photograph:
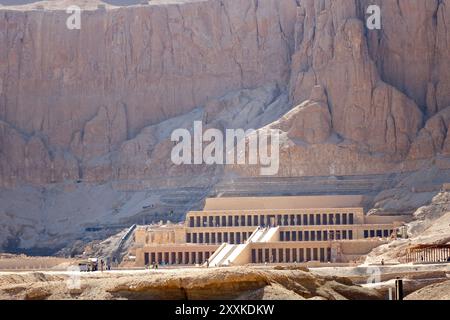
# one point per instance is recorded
(78, 94)
(231, 283)
(97, 105)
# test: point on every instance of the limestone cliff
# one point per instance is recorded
(68, 97)
(90, 111)
(369, 82)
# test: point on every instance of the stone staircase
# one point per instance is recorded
(229, 254)
(222, 255)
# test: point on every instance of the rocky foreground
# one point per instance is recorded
(431, 225)
(246, 283)
(234, 283)
(439, 291)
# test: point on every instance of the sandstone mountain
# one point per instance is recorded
(86, 115)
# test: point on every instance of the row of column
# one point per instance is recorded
(176, 258)
(272, 220)
(290, 255)
(378, 233)
(429, 255)
(319, 235)
(217, 237)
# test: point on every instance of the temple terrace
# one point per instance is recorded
(264, 230)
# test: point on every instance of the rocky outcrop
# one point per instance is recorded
(431, 225)
(230, 283)
(412, 50)
(311, 120)
(377, 126)
(439, 291)
(93, 109)
(434, 138)
(95, 97)
(87, 91)
(336, 56)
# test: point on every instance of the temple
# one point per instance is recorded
(256, 230)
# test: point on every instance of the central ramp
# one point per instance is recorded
(238, 254)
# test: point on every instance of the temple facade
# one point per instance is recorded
(239, 231)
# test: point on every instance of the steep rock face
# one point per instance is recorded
(377, 125)
(27, 158)
(311, 120)
(99, 104)
(434, 138)
(412, 49)
(333, 52)
(91, 92)
(133, 65)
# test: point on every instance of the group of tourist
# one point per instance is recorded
(104, 265)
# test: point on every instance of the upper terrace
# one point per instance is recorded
(301, 202)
